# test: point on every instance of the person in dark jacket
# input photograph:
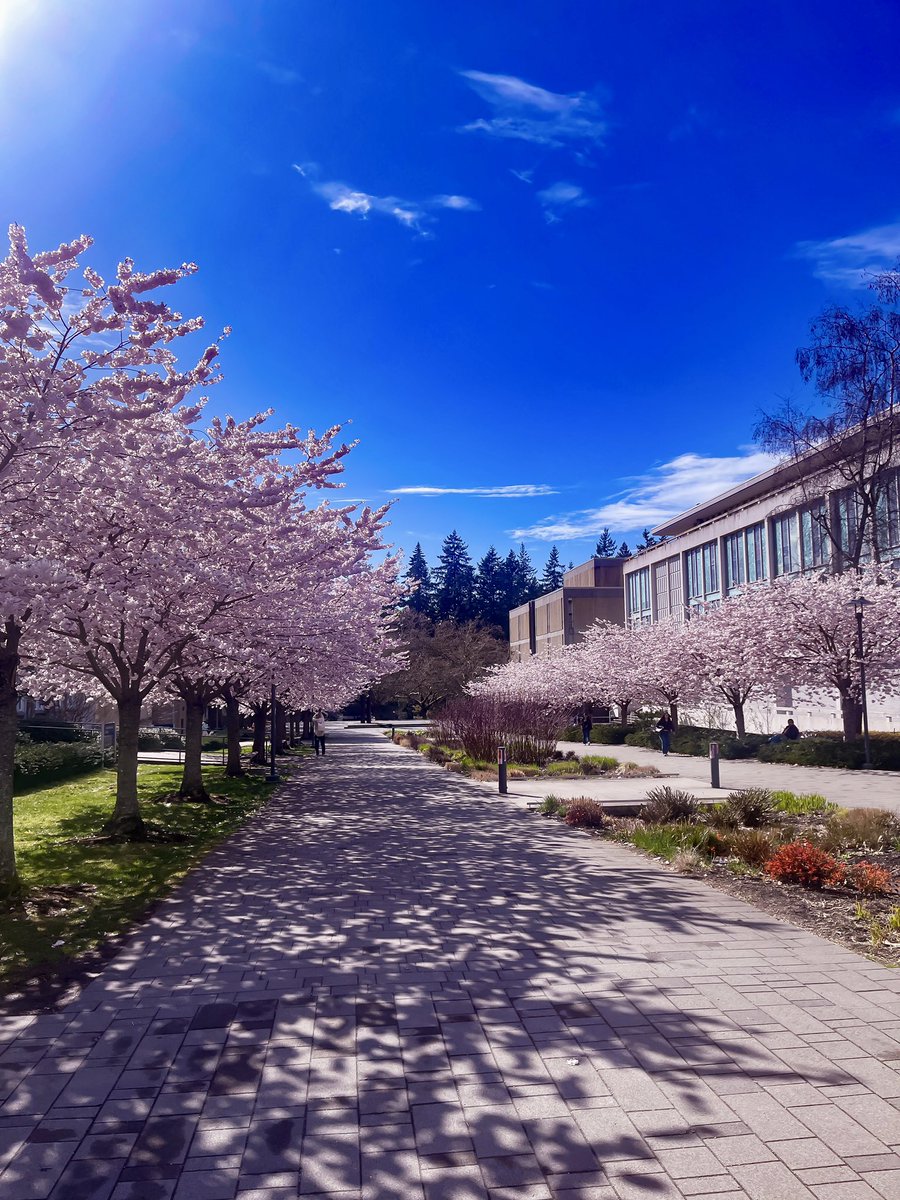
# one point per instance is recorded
(586, 726)
(664, 727)
(790, 732)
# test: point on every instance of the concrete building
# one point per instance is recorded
(768, 527)
(590, 592)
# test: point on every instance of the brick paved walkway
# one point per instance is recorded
(391, 985)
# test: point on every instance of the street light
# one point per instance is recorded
(859, 603)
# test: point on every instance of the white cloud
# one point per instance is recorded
(509, 491)
(410, 213)
(560, 198)
(667, 491)
(532, 114)
(852, 260)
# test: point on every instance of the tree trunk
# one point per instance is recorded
(673, 713)
(307, 725)
(739, 723)
(280, 732)
(192, 787)
(851, 716)
(126, 821)
(623, 711)
(10, 885)
(260, 713)
(233, 768)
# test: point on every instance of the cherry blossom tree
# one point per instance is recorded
(79, 358)
(811, 633)
(730, 651)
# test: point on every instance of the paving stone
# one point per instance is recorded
(420, 1015)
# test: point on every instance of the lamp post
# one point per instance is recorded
(859, 603)
(272, 776)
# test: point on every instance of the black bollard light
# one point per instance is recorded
(714, 764)
(501, 769)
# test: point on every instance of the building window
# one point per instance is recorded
(667, 590)
(888, 516)
(639, 612)
(799, 540)
(757, 566)
(702, 574)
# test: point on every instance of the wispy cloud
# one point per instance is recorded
(560, 198)
(283, 76)
(413, 214)
(532, 114)
(666, 491)
(510, 491)
(852, 260)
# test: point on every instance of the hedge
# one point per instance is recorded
(601, 735)
(49, 762)
(160, 739)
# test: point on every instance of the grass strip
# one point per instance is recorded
(79, 893)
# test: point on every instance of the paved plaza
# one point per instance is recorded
(391, 984)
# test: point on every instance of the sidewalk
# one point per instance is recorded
(390, 986)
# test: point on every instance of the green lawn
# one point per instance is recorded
(115, 882)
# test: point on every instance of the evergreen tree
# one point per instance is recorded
(553, 573)
(527, 578)
(647, 540)
(624, 552)
(490, 592)
(510, 588)
(422, 599)
(606, 546)
(454, 579)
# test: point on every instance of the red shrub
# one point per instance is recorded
(800, 862)
(584, 813)
(871, 880)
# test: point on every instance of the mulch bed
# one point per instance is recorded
(828, 912)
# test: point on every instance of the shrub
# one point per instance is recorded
(160, 739)
(745, 747)
(665, 841)
(667, 804)
(48, 762)
(215, 743)
(630, 770)
(860, 828)
(598, 764)
(529, 729)
(564, 767)
(584, 813)
(610, 735)
(803, 863)
(813, 752)
(49, 729)
(871, 880)
(551, 806)
(802, 805)
(750, 806)
(752, 847)
(435, 754)
(893, 919)
(689, 862)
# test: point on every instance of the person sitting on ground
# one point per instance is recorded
(790, 732)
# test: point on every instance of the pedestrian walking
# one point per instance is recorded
(586, 726)
(319, 732)
(664, 729)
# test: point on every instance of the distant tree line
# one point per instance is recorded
(457, 589)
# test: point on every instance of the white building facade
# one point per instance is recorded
(766, 528)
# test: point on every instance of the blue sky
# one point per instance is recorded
(552, 259)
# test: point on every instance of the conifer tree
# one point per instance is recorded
(624, 552)
(490, 595)
(527, 578)
(422, 599)
(647, 540)
(553, 573)
(454, 579)
(606, 546)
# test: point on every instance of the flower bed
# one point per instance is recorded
(833, 871)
